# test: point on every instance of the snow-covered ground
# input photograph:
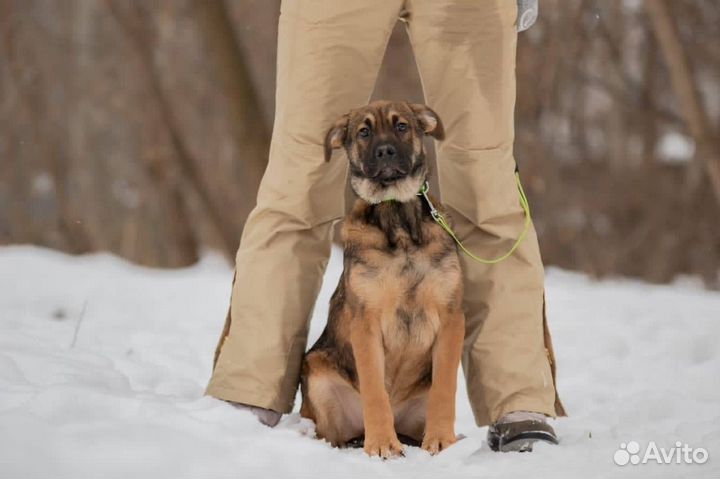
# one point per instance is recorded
(103, 365)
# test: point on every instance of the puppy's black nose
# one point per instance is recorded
(385, 152)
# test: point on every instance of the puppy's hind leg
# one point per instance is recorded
(330, 400)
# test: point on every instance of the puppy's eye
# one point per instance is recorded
(401, 126)
(364, 132)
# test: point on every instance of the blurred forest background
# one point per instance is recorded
(141, 127)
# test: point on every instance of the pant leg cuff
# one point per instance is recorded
(542, 407)
(251, 398)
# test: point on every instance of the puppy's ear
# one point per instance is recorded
(429, 120)
(335, 136)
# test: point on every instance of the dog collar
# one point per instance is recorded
(424, 188)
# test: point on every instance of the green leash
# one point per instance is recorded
(440, 219)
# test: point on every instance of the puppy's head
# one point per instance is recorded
(384, 144)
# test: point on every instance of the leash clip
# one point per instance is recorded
(433, 211)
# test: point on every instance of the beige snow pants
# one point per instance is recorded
(329, 54)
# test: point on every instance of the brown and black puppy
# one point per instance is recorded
(387, 361)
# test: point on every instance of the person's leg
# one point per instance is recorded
(329, 53)
(465, 53)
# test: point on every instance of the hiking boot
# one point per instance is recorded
(518, 431)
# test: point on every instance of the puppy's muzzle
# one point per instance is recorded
(389, 175)
(389, 170)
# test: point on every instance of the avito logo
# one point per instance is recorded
(629, 453)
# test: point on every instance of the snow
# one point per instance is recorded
(103, 366)
(675, 147)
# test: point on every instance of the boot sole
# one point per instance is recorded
(524, 442)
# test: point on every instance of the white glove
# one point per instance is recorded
(527, 14)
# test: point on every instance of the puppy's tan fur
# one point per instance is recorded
(387, 361)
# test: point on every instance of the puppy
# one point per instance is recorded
(386, 363)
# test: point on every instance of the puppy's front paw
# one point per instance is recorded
(436, 442)
(385, 446)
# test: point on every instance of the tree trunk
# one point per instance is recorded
(681, 77)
